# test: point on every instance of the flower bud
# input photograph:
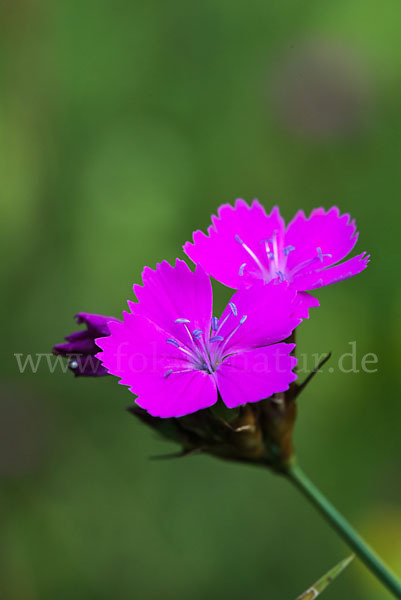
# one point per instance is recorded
(80, 347)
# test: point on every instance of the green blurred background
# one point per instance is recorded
(123, 126)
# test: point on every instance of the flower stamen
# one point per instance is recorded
(228, 338)
(251, 253)
(288, 249)
(233, 308)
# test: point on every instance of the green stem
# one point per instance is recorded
(346, 531)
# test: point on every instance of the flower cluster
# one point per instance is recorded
(182, 362)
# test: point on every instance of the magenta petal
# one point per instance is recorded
(269, 310)
(347, 269)
(333, 234)
(256, 374)
(179, 395)
(220, 254)
(136, 349)
(166, 383)
(171, 293)
(306, 301)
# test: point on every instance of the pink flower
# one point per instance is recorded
(244, 245)
(176, 357)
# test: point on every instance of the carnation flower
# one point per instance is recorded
(80, 348)
(244, 245)
(178, 358)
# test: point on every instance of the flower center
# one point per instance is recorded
(204, 351)
(271, 263)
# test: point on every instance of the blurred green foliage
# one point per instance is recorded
(123, 126)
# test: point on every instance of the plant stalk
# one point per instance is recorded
(368, 556)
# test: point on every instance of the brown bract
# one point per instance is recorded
(259, 433)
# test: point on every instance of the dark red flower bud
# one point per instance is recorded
(80, 347)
